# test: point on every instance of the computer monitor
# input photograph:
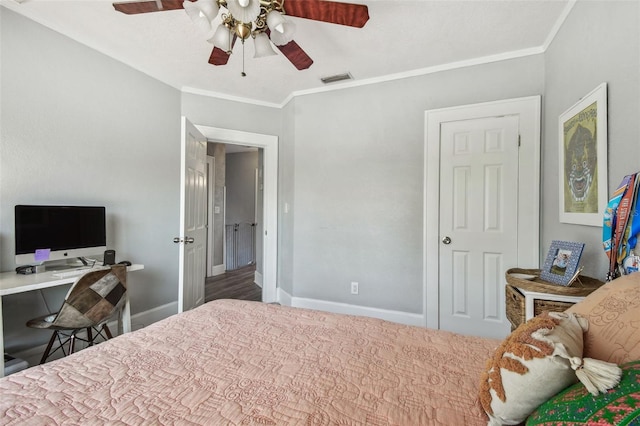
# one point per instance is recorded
(46, 233)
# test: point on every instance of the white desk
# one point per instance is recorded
(12, 283)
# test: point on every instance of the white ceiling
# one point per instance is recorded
(401, 38)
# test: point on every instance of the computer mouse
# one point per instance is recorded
(125, 262)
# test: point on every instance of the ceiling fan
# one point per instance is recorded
(262, 20)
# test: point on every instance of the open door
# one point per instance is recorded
(193, 218)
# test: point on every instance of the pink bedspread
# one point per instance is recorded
(248, 363)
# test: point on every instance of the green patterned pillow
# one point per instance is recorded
(575, 406)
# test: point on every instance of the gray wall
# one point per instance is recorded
(241, 191)
(206, 111)
(358, 171)
(599, 42)
(286, 197)
(81, 128)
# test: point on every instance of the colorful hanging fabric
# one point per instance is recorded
(615, 221)
(633, 229)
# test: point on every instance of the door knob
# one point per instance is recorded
(187, 240)
(446, 240)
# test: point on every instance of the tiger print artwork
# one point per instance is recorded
(580, 162)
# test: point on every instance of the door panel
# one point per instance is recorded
(193, 218)
(478, 212)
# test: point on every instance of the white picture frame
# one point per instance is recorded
(582, 160)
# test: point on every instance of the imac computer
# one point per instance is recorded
(47, 233)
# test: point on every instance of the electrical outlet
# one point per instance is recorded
(354, 287)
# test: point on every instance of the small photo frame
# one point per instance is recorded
(562, 261)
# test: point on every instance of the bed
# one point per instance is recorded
(233, 362)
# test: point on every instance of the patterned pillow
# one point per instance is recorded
(539, 359)
(530, 366)
(614, 320)
(575, 406)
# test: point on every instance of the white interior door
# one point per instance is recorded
(193, 218)
(437, 279)
(478, 222)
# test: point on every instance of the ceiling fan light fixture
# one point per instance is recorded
(221, 38)
(244, 10)
(282, 31)
(201, 12)
(243, 30)
(275, 21)
(263, 46)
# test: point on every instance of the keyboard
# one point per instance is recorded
(71, 273)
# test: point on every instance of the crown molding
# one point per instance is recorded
(408, 74)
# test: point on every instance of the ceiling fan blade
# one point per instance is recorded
(132, 8)
(353, 15)
(219, 56)
(296, 55)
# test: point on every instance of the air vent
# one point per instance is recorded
(337, 77)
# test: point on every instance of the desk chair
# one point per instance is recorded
(92, 299)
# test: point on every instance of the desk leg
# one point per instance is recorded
(1, 341)
(124, 320)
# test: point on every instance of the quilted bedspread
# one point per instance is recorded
(234, 362)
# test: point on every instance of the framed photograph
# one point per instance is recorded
(583, 159)
(562, 261)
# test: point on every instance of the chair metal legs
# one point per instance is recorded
(46, 351)
(107, 331)
(71, 339)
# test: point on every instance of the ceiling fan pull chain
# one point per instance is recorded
(243, 73)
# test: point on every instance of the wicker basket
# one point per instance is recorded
(516, 309)
(514, 306)
(583, 287)
(515, 300)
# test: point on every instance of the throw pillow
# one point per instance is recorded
(534, 363)
(614, 322)
(575, 406)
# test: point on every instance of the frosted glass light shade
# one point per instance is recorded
(275, 21)
(282, 31)
(221, 38)
(263, 46)
(244, 10)
(201, 12)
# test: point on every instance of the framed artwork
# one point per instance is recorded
(583, 159)
(561, 264)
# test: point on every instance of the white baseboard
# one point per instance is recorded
(258, 279)
(218, 270)
(283, 297)
(343, 308)
(143, 319)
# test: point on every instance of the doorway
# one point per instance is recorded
(440, 303)
(269, 146)
(234, 203)
(234, 254)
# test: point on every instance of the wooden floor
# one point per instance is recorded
(236, 284)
